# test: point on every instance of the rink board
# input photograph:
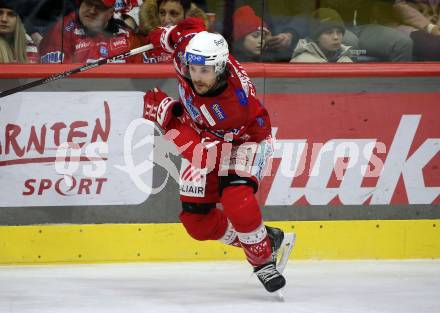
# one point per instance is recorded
(394, 215)
(338, 240)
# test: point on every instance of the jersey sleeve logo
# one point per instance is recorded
(241, 95)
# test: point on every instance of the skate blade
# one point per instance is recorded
(286, 249)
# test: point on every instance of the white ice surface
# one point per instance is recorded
(222, 287)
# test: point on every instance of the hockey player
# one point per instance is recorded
(224, 135)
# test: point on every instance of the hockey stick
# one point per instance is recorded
(81, 68)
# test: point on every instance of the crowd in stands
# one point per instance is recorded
(82, 31)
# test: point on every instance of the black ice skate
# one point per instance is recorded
(269, 276)
(282, 245)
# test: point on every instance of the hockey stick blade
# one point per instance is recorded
(81, 68)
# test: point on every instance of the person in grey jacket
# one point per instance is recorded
(325, 43)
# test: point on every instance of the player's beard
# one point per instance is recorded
(203, 89)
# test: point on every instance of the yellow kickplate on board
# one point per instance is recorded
(373, 239)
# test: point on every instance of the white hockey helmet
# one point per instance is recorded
(207, 49)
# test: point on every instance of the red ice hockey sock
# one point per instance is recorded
(256, 246)
(242, 210)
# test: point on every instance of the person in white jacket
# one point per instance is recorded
(325, 44)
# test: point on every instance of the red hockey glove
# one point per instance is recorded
(172, 34)
(157, 54)
(159, 108)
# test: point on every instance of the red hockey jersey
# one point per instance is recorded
(68, 42)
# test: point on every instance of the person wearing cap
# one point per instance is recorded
(325, 43)
(286, 26)
(375, 40)
(249, 35)
(15, 45)
(89, 34)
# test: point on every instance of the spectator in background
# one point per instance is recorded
(156, 13)
(159, 13)
(89, 34)
(421, 19)
(325, 45)
(15, 45)
(40, 15)
(281, 18)
(378, 41)
(249, 35)
(285, 25)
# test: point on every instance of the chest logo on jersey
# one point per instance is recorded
(118, 43)
(218, 111)
(83, 45)
(103, 51)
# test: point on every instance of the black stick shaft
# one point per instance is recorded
(81, 68)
